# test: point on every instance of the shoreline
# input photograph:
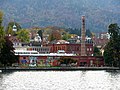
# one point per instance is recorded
(60, 69)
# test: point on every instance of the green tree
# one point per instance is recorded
(78, 31)
(66, 36)
(2, 33)
(88, 33)
(23, 35)
(112, 49)
(108, 54)
(97, 51)
(55, 35)
(9, 29)
(7, 53)
(1, 18)
(40, 34)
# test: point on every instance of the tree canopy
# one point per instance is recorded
(55, 35)
(2, 33)
(7, 53)
(66, 36)
(78, 31)
(9, 29)
(1, 18)
(23, 35)
(40, 32)
(112, 49)
(97, 51)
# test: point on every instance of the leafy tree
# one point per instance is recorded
(23, 35)
(88, 33)
(96, 51)
(78, 31)
(66, 36)
(108, 54)
(1, 18)
(6, 47)
(55, 35)
(9, 29)
(112, 49)
(40, 34)
(7, 53)
(74, 31)
(2, 33)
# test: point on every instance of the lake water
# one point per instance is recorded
(60, 80)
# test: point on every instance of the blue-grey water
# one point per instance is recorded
(60, 80)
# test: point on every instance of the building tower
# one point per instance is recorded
(14, 27)
(83, 48)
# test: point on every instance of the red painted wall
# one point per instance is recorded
(71, 48)
(81, 60)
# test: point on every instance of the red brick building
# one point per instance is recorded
(71, 48)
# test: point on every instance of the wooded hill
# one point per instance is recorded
(62, 13)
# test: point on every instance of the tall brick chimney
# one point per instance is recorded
(83, 48)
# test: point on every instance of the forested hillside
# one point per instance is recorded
(63, 13)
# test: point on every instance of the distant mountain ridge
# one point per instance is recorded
(63, 13)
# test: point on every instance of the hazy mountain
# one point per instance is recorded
(63, 13)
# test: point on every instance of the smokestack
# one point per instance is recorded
(83, 48)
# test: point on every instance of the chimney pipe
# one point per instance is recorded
(83, 33)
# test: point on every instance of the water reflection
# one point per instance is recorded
(58, 80)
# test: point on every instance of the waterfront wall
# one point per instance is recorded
(82, 61)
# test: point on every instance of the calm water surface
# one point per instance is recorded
(60, 80)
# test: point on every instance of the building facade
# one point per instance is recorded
(71, 48)
(52, 60)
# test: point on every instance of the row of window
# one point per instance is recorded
(60, 48)
(89, 49)
(71, 49)
(26, 53)
(17, 44)
(41, 49)
(74, 48)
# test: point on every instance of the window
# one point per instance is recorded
(90, 49)
(87, 49)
